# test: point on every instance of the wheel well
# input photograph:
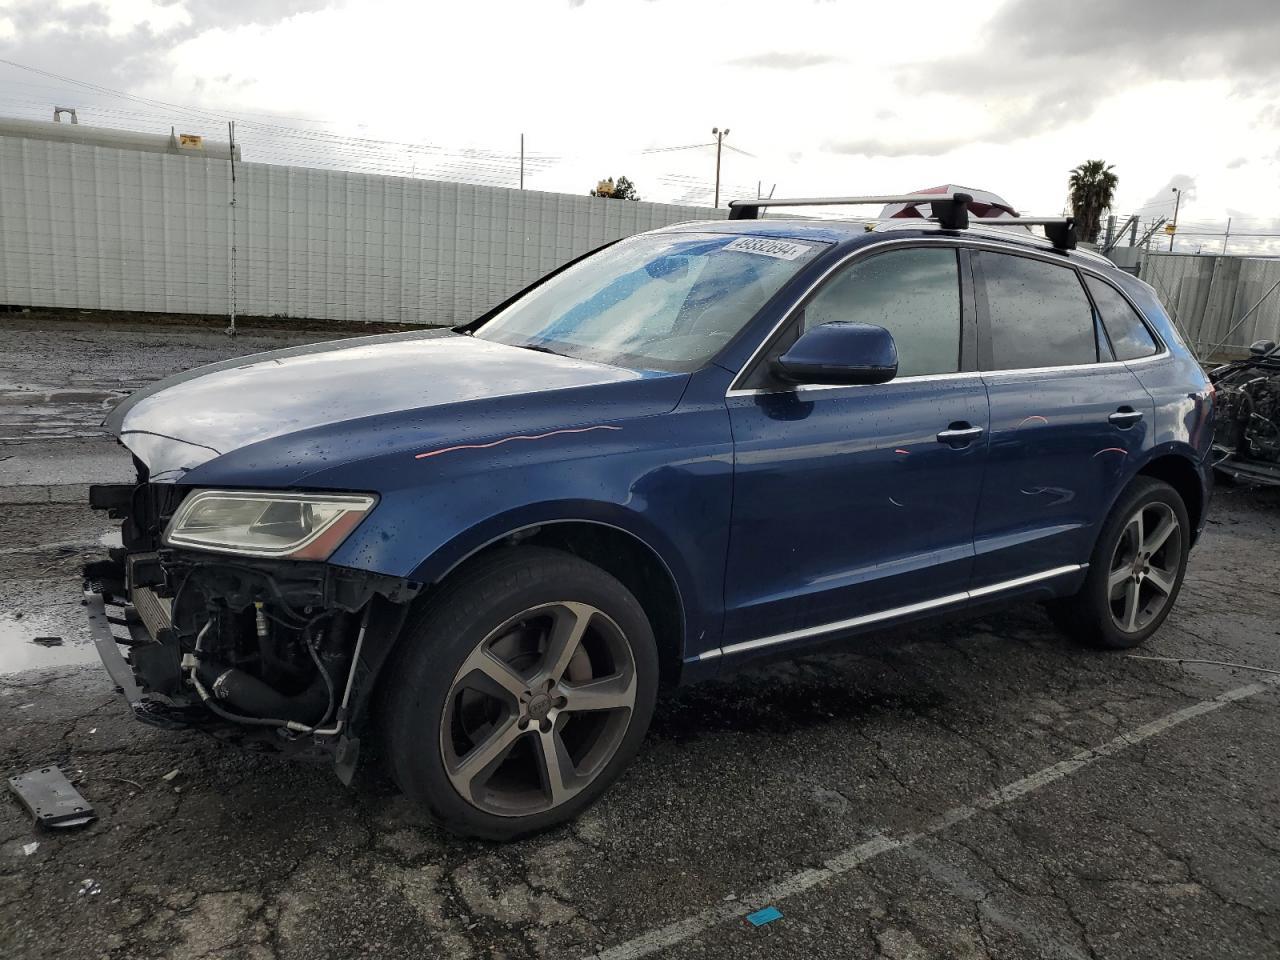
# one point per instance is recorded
(636, 567)
(1181, 475)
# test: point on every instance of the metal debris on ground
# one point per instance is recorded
(48, 641)
(49, 797)
(761, 917)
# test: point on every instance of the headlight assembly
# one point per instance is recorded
(296, 526)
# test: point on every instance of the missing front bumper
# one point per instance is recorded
(131, 610)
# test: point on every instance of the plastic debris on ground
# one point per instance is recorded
(170, 775)
(50, 798)
(48, 641)
(761, 917)
(29, 848)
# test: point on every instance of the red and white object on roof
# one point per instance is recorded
(984, 206)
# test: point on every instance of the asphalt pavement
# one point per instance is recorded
(978, 788)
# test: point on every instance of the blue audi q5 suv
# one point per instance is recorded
(485, 548)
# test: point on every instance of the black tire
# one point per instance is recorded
(1090, 616)
(426, 699)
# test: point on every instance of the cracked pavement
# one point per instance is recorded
(1166, 848)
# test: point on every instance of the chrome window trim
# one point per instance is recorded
(950, 599)
(962, 375)
(947, 241)
(820, 387)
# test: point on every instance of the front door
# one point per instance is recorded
(853, 502)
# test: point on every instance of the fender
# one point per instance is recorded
(699, 628)
(450, 555)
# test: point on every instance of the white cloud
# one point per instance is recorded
(124, 16)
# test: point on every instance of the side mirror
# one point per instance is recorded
(1260, 348)
(840, 352)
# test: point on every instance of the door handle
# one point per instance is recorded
(959, 434)
(1125, 417)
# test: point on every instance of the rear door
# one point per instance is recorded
(848, 505)
(1067, 419)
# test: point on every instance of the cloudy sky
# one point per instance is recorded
(823, 97)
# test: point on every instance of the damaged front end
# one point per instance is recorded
(1246, 442)
(275, 652)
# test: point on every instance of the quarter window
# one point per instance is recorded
(914, 294)
(1039, 314)
(1129, 335)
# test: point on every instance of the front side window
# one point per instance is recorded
(1129, 336)
(1038, 312)
(914, 294)
(665, 301)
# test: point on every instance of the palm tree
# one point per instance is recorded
(1093, 186)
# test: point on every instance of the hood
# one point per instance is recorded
(179, 423)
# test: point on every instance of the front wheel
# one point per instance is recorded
(1135, 572)
(520, 694)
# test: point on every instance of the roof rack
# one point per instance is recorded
(950, 213)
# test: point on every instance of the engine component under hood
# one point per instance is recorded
(181, 422)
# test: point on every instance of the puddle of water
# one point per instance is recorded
(17, 652)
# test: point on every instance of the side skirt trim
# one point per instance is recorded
(951, 599)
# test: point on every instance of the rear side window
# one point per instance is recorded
(1039, 314)
(914, 294)
(1129, 335)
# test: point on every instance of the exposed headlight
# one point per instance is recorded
(299, 526)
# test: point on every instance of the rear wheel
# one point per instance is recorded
(521, 693)
(1136, 570)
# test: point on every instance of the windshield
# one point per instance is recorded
(666, 301)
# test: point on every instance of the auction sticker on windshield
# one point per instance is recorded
(769, 247)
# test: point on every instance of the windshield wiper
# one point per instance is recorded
(537, 348)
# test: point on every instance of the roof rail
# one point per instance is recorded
(951, 213)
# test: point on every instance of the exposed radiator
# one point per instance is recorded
(155, 612)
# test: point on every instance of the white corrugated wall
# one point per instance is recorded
(1211, 297)
(97, 228)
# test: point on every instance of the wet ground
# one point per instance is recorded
(973, 789)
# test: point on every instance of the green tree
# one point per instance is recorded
(1093, 186)
(623, 189)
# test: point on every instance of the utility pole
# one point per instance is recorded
(231, 274)
(522, 161)
(1177, 199)
(719, 135)
(1226, 236)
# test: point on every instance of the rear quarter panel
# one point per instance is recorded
(1179, 387)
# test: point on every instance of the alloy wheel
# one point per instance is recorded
(1144, 567)
(538, 709)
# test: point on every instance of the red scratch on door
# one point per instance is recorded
(1120, 450)
(905, 453)
(1026, 420)
(495, 443)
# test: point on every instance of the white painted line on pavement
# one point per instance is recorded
(660, 938)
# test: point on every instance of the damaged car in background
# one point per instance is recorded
(1246, 445)
(483, 549)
